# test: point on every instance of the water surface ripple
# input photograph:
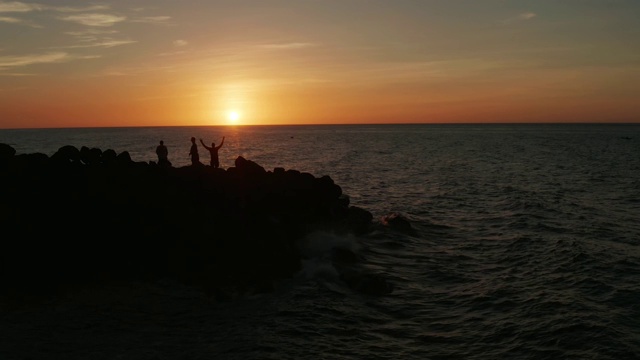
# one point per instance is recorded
(526, 247)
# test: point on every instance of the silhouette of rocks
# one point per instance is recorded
(90, 216)
(6, 152)
(67, 154)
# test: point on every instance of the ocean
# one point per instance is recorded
(524, 245)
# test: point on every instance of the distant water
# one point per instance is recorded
(526, 247)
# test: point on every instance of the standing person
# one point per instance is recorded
(163, 155)
(213, 150)
(195, 157)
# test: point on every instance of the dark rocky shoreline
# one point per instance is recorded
(86, 216)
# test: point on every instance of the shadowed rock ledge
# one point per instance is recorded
(89, 216)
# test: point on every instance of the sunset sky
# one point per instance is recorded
(215, 62)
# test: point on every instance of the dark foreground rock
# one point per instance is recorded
(86, 216)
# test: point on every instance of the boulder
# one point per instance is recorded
(67, 154)
(107, 218)
(397, 222)
(248, 167)
(6, 152)
(90, 156)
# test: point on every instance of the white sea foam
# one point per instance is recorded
(316, 249)
(320, 244)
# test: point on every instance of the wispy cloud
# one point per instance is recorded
(172, 53)
(16, 6)
(526, 16)
(8, 62)
(520, 17)
(100, 20)
(179, 44)
(152, 19)
(21, 7)
(90, 32)
(15, 75)
(92, 15)
(15, 61)
(79, 9)
(94, 38)
(287, 46)
(12, 20)
(9, 20)
(104, 43)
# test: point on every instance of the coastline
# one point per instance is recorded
(87, 216)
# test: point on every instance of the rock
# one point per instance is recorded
(397, 222)
(124, 158)
(359, 219)
(6, 152)
(248, 167)
(67, 154)
(90, 156)
(109, 156)
(87, 216)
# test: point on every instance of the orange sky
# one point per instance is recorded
(146, 63)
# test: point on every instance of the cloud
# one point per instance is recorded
(152, 19)
(525, 16)
(12, 20)
(15, 61)
(90, 32)
(9, 20)
(16, 6)
(8, 62)
(179, 43)
(15, 75)
(86, 15)
(102, 20)
(93, 38)
(21, 7)
(104, 43)
(172, 53)
(287, 46)
(79, 9)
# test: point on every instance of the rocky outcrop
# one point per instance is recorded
(88, 216)
(398, 222)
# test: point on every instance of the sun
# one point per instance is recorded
(233, 117)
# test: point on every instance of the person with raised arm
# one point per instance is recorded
(213, 150)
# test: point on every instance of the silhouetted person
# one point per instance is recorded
(163, 154)
(195, 157)
(213, 150)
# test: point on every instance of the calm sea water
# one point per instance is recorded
(526, 247)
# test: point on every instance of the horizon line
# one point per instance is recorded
(637, 122)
